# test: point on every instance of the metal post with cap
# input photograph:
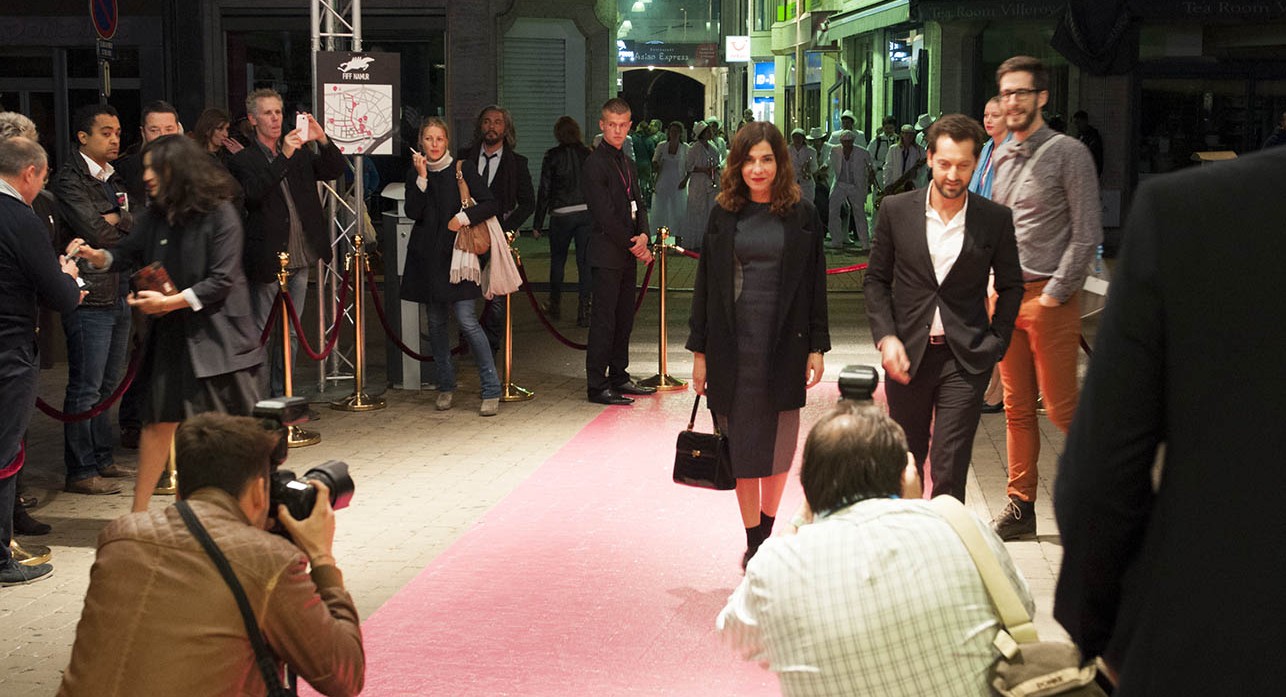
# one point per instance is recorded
(662, 381)
(296, 437)
(359, 400)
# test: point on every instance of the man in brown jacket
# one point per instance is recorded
(160, 620)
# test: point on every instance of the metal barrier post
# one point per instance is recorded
(512, 392)
(296, 437)
(359, 400)
(662, 380)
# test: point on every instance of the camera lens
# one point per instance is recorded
(334, 474)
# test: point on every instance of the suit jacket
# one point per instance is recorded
(82, 202)
(802, 323)
(902, 290)
(146, 575)
(859, 162)
(604, 183)
(267, 217)
(1170, 582)
(222, 337)
(893, 165)
(511, 186)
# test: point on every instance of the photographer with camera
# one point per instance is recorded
(875, 594)
(163, 603)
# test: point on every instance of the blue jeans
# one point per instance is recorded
(563, 231)
(263, 299)
(97, 353)
(473, 334)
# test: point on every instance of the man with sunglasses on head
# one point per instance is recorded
(1049, 181)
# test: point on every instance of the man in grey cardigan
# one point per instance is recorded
(1049, 181)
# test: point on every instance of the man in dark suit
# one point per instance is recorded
(508, 179)
(926, 298)
(1173, 572)
(619, 239)
(278, 176)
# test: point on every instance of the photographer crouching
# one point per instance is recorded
(161, 617)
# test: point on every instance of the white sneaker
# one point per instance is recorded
(444, 400)
(490, 407)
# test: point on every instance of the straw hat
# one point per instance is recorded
(797, 132)
(847, 135)
(816, 133)
(698, 128)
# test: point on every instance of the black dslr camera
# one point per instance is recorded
(858, 382)
(297, 495)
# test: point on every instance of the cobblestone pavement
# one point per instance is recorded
(423, 476)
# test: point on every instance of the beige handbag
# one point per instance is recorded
(1027, 667)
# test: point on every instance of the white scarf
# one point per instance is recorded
(440, 164)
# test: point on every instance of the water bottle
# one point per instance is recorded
(1098, 261)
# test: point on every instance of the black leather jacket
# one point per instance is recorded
(559, 180)
(82, 203)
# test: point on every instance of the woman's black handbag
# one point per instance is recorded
(701, 459)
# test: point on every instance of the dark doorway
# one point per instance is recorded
(665, 95)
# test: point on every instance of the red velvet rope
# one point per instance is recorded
(647, 278)
(135, 360)
(334, 330)
(829, 272)
(379, 312)
(272, 320)
(526, 286)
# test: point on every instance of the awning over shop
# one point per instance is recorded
(875, 16)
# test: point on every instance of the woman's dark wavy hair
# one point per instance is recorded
(209, 120)
(567, 132)
(734, 192)
(189, 183)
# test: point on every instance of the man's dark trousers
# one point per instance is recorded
(610, 324)
(957, 393)
(19, 368)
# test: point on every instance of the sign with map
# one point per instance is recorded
(359, 100)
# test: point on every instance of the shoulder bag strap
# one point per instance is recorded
(1030, 169)
(692, 420)
(263, 658)
(1003, 595)
(465, 198)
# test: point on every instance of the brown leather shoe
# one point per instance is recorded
(115, 471)
(94, 486)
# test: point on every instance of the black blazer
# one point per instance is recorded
(511, 186)
(802, 323)
(223, 337)
(267, 218)
(603, 181)
(1171, 582)
(902, 289)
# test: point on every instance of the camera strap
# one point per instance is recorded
(263, 657)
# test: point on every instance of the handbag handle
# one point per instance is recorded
(692, 419)
(1003, 595)
(465, 197)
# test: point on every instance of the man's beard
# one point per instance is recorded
(942, 189)
(1028, 119)
(491, 137)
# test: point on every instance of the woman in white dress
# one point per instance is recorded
(702, 181)
(669, 200)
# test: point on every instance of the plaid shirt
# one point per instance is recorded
(880, 598)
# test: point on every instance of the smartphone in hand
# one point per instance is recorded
(301, 125)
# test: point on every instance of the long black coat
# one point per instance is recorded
(1180, 585)
(223, 337)
(802, 323)
(426, 276)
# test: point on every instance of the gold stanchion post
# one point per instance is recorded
(359, 400)
(296, 437)
(662, 380)
(512, 392)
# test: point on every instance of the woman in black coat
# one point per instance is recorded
(758, 322)
(203, 341)
(433, 201)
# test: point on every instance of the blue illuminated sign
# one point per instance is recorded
(765, 75)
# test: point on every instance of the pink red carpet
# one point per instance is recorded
(596, 576)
